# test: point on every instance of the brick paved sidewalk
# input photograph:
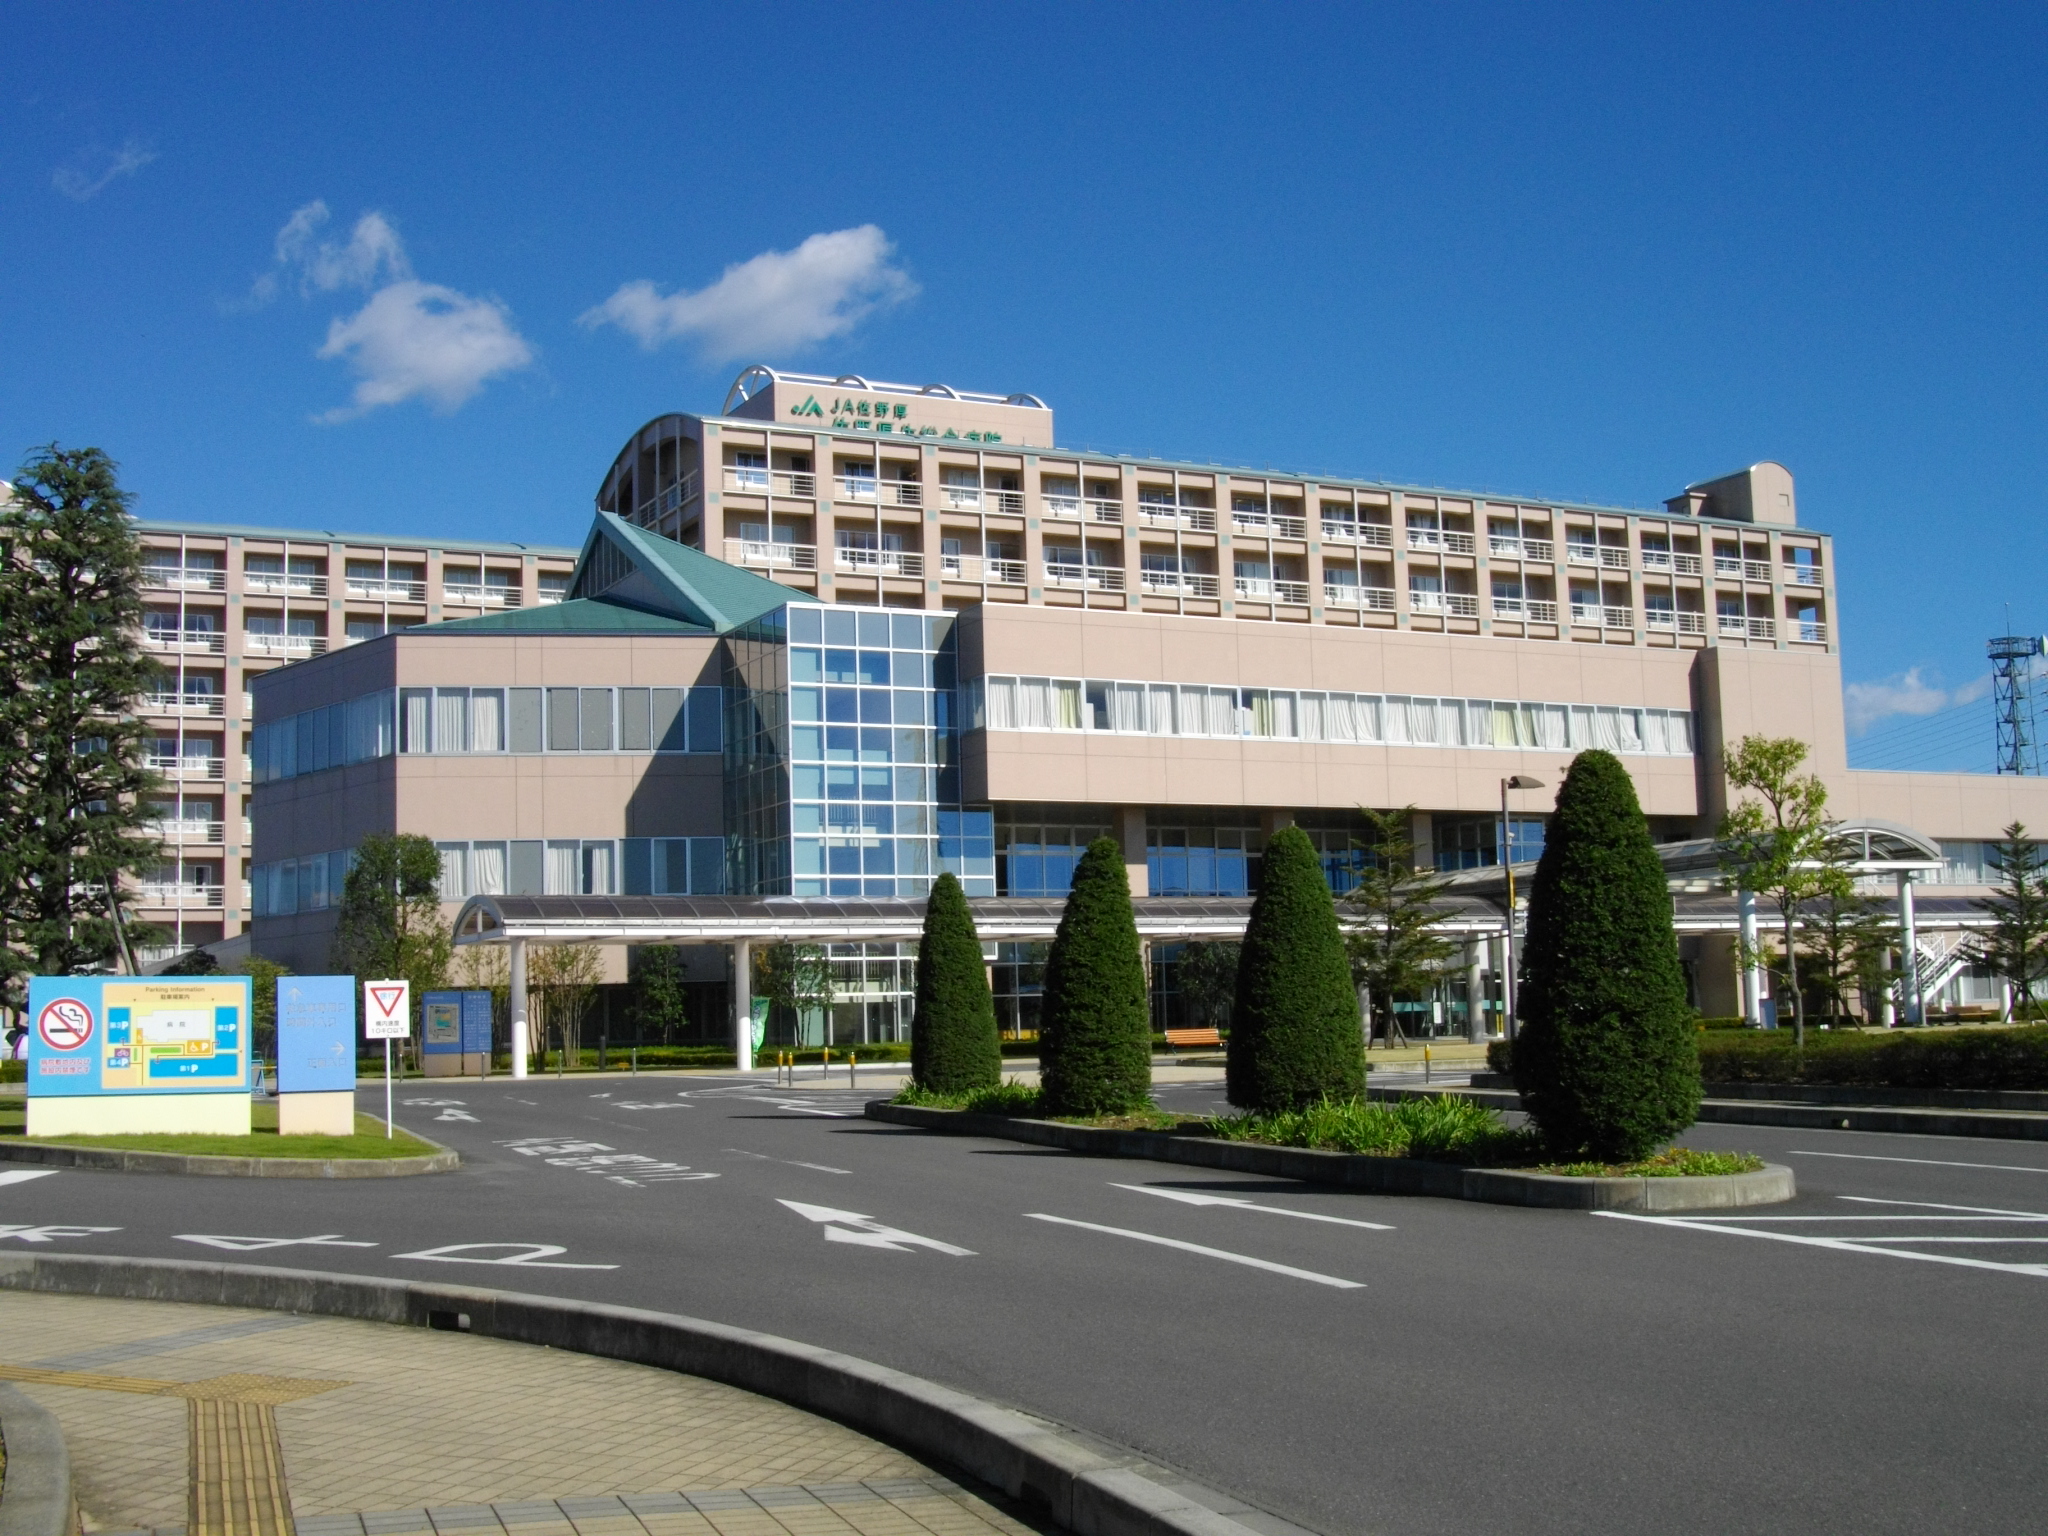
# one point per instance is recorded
(213, 1421)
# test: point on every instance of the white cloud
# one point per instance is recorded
(86, 174)
(1905, 693)
(412, 340)
(772, 303)
(420, 340)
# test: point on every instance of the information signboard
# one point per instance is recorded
(107, 1036)
(455, 1023)
(476, 1023)
(316, 1034)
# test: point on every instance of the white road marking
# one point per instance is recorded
(627, 1168)
(536, 1256)
(23, 1175)
(631, 1104)
(1873, 1245)
(1931, 1162)
(1189, 1197)
(866, 1232)
(787, 1162)
(458, 1114)
(432, 1103)
(49, 1234)
(1930, 1205)
(1213, 1253)
(252, 1244)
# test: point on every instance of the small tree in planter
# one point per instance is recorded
(1095, 1038)
(1294, 1027)
(2015, 946)
(1605, 1060)
(953, 1042)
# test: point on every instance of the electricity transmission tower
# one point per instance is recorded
(2012, 700)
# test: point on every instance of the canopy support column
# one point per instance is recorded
(1751, 960)
(517, 1004)
(743, 1003)
(1909, 951)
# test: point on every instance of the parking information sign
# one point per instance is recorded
(103, 1036)
(387, 1010)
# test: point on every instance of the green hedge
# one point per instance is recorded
(13, 1071)
(1947, 1058)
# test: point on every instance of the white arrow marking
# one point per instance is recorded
(47, 1234)
(1189, 1197)
(457, 1114)
(536, 1255)
(23, 1175)
(1213, 1253)
(252, 1244)
(866, 1232)
(432, 1103)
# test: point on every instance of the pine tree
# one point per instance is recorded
(1606, 1059)
(1396, 942)
(2015, 947)
(1095, 1036)
(1294, 1026)
(953, 1043)
(72, 748)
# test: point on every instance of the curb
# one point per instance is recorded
(35, 1499)
(2006, 1126)
(1380, 1175)
(1085, 1486)
(2025, 1101)
(116, 1160)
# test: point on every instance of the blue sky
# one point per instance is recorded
(1589, 251)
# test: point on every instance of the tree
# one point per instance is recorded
(390, 924)
(72, 748)
(953, 1043)
(2015, 947)
(1207, 973)
(660, 998)
(561, 980)
(1605, 1059)
(1294, 1027)
(487, 968)
(1846, 934)
(263, 976)
(797, 977)
(1395, 947)
(1095, 1036)
(1775, 845)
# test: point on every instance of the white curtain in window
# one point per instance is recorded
(1066, 704)
(487, 720)
(487, 869)
(1631, 723)
(1340, 718)
(1127, 707)
(1551, 721)
(454, 870)
(1394, 720)
(451, 720)
(1678, 728)
(418, 703)
(562, 875)
(1159, 709)
(597, 869)
(1653, 731)
(999, 703)
(1581, 727)
(1310, 722)
(1034, 703)
(1607, 728)
(1222, 712)
(1422, 723)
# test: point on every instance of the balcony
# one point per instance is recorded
(1617, 618)
(185, 834)
(670, 500)
(184, 897)
(1164, 514)
(1804, 575)
(879, 562)
(487, 595)
(189, 642)
(1459, 605)
(979, 568)
(1684, 564)
(1271, 590)
(1456, 543)
(901, 493)
(191, 767)
(554, 594)
(1675, 621)
(1095, 578)
(383, 589)
(1425, 538)
(284, 645)
(1613, 557)
(279, 584)
(1376, 535)
(1270, 525)
(1577, 553)
(1178, 583)
(184, 578)
(1535, 610)
(1506, 546)
(1810, 631)
(764, 554)
(1104, 510)
(1343, 594)
(1656, 559)
(187, 704)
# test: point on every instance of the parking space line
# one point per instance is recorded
(1839, 1244)
(1930, 1162)
(1212, 1253)
(1191, 1197)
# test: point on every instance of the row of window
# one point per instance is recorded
(999, 703)
(490, 720)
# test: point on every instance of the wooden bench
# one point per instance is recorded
(1176, 1038)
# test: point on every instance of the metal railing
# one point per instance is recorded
(387, 590)
(1062, 506)
(1003, 503)
(484, 594)
(1456, 543)
(1425, 538)
(1102, 509)
(1811, 632)
(1763, 629)
(184, 704)
(282, 584)
(1011, 573)
(879, 562)
(1534, 609)
(1656, 559)
(1581, 554)
(746, 477)
(1271, 589)
(187, 833)
(1617, 618)
(1585, 613)
(284, 645)
(1372, 599)
(154, 894)
(1459, 605)
(1804, 575)
(1164, 514)
(1613, 557)
(189, 767)
(1272, 524)
(204, 642)
(1378, 535)
(670, 500)
(1096, 578)
(1181, 583)
(549, 594)
(1506, 545)
(184, 578)
(960, 498)
(771, 554)
(897, 493)
(1685, 565)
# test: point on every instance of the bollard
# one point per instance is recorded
(1425, 1061)
(826, 1070)
(852, 1068)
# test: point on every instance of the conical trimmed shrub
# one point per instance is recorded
(1605, 1059)
(1095, 1035)
(1294, 1027)
(954, 1047)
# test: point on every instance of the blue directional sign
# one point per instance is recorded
(316, 1034)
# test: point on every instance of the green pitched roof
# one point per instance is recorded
(672, 578)
(578, 616)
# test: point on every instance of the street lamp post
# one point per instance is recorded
(1507, 860)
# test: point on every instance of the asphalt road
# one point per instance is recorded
(1868, 1358)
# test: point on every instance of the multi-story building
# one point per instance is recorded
(978, 651)
(226, 603)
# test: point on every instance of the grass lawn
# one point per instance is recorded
(263, 1141)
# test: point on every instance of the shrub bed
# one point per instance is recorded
(1446, 1128)
(1949, 1058)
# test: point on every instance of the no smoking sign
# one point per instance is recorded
(65, 1024)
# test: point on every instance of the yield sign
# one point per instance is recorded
(387, 1010)
(865, 1231)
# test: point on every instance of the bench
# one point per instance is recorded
(1176, 1038)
